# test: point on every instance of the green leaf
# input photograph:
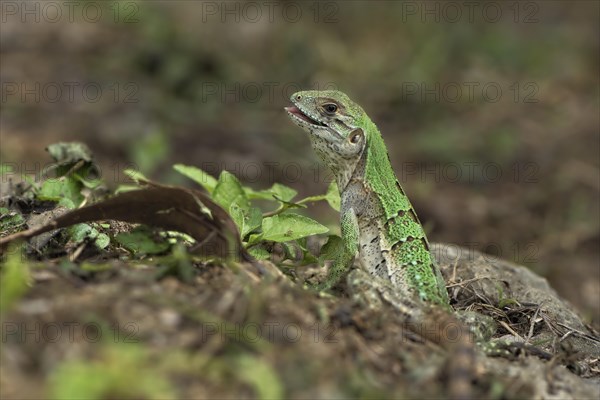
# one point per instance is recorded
(259, 195)
(228, 191)
(204, 179)
(307, 257)
(237, 215)
(254, 238)
(312, 199)
(259, 253)
(299, 254)
(57, 188)
(141, 241)
(333, 196)
(88, 183)
(332, 250)
(291, 250)
(247, 220)
(252, 220)
(67, 203)
(80, 232)
(286, 227)
(126, 188)
(102, 241)
(283, 192)
(275, 192)
(135, 176)
(51, 189)
(69, 152)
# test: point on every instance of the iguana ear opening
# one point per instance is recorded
(356, 136)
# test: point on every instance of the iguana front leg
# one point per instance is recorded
(350, 238)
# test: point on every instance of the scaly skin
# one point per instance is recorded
(377, 220)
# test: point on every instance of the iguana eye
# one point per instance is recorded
(330, 108)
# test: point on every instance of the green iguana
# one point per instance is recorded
(380, 226)
(378, 223)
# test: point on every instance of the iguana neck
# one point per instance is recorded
(381, 177)
(404, 240)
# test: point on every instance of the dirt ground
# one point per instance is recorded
(94, 328)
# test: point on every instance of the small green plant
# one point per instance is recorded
(69, 182)
(10, 220)
(279, 232)
(87, 232)
(504, 301)
(14, 278)
(74, 172)
(258, 229)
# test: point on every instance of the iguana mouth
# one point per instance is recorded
(297, 113)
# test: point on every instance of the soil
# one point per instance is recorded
(231, 332)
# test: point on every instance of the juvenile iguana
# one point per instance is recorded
(380, 226)
(378, 222)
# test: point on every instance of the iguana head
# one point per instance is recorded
(336, 127)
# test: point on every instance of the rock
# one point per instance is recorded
(501, 281)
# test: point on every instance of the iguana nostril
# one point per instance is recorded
(298, 98)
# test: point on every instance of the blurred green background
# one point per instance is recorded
(489, 109)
